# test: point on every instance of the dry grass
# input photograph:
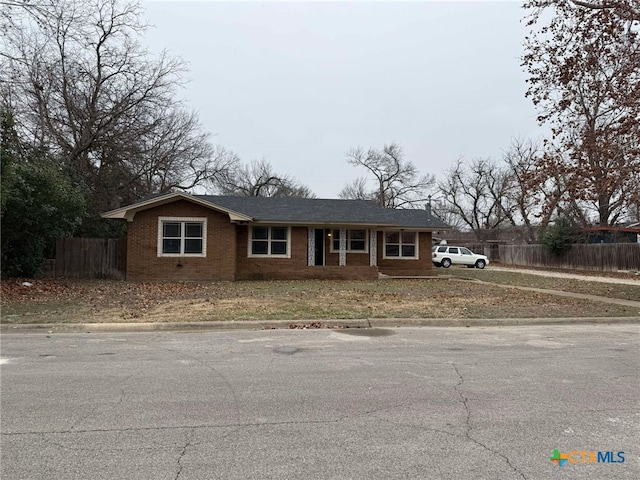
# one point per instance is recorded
(52, 301)
(611, 290)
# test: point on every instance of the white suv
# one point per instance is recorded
(447, 255)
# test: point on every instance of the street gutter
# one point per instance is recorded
(51, 328)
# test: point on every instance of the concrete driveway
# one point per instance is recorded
(442, 403)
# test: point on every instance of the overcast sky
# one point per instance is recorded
(299, 83)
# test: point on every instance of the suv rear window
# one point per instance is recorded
(442, 249)
(453, 250)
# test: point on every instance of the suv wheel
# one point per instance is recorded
(481, 264)
(446, 263)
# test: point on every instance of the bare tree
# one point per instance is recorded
(443, 211)
(534, 195)
(477, 194)
(583, 59)
(624, 5)
(258, 179)
(357, 190)
(634, 204)
(483, 195)
(173, 153)
(397, 181)
(83, 87)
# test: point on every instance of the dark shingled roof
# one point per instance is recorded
(310, 211)
(324, 211)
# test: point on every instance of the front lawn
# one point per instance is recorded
(56, 300)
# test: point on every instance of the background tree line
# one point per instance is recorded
(92, 121)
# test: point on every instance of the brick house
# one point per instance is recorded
(183, 237)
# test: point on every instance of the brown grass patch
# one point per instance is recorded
(54, 301)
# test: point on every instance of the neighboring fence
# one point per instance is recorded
(599, 257)
(91, 258)
(488, 249)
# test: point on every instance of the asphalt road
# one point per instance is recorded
(441, 403)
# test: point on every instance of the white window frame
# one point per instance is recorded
(269, 228)
(416, 236)
(348, 250)
(182, 220)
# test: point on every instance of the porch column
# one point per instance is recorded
(373, 248)
(343, 247)
(311, 247)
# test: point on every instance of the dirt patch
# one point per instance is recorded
(55, 301)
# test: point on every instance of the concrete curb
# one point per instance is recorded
(49, 328)
(497, 322)
(175, 326)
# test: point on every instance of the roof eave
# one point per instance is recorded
(129, 211)
(381, 226)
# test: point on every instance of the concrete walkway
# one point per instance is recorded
(560, 293)
(634, 279)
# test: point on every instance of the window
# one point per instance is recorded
(453, 251)
(403, 245)
(357, 241)
(465, 251)
(269, 242)
(180, 237)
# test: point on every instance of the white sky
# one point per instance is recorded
(299, 83)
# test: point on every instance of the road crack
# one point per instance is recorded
(101, 409)
(469, 427)
(463, 399)
(183, 452)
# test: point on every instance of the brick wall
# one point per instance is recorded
(422, 266)
(315, 273)
(143, 263)
(353, 259)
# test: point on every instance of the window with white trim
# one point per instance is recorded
(400, 244)
(269, 241)
(357, 241)
(182, 237)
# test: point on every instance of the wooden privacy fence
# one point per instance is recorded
(91, 258)
(599, 257)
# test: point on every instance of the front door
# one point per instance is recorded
(319, 252)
